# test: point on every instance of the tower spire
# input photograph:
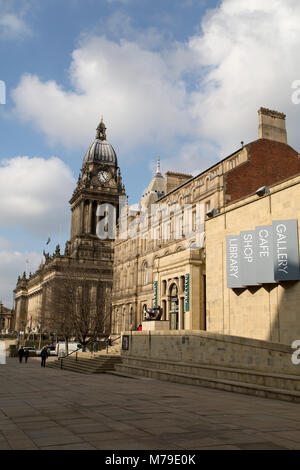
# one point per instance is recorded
(158, 172)
(101, 130)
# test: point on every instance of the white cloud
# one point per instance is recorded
(131, 86)
(206, 91)
(11, 25)
(35, 194)
(13, 22)
(12, 264)
(192, 158)
(251, 51)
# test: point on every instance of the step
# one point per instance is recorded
(220, 384)
(85, 361)
(273, 380)
(88, 366)
(85, 370)
(250, 382)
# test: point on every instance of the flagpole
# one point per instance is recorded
(60, 234)
(26, 266)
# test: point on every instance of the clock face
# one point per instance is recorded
(103, 176)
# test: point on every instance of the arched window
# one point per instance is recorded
(124, 319)
(131, 325)
(174, 307)
(145, 273)
(207, 183)
(182, 283)
(144, 311)
(173, 290)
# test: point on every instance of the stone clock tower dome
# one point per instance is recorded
(99, 183)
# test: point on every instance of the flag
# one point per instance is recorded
(49, 239)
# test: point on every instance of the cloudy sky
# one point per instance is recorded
(182, 79)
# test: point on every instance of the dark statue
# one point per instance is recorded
(151, 314)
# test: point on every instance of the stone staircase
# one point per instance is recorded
(86, 363)
(262, 384)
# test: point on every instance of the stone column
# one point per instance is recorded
(82, 216)
(168, 308)
(181, 313)
(90, 217)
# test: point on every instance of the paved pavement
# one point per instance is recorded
(53, 409)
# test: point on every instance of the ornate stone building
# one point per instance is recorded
(163, 251)
(86, 255)
(165, 263)
(7, 319)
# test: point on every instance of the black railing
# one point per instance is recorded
(109, 344)
(79, 349)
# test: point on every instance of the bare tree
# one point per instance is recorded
(92, 312)
(80, 307)
(60, 308)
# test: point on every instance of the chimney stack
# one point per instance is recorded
(272, 125)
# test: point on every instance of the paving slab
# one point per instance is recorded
(53, 409)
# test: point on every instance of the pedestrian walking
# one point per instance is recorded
(21, 354)
(44, 355)
(26, 355)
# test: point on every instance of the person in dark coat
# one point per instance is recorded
(44, 355)
(21, 353)
(26, 355)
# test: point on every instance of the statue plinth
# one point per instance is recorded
(156, 325)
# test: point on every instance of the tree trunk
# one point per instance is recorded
(67, 345)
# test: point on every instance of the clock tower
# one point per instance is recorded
(99, 184)
(84, 272)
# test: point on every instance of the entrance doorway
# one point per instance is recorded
(174, 307)
(204, 303)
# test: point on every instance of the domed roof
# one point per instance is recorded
(101, 151)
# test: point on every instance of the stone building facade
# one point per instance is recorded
(7, 319)
(169, 250)
(165, 263)
(266, 311)
(86, 255)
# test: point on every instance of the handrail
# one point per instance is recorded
(115, 339)
(111, 342)
(79, 349)
(67, 355)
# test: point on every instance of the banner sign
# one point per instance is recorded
(285, 246)
(268, 254)
(125, 342)
(264, 254)
(2, 353)
(155, 293)
(248, 258)
(233, 261)
(187, 292)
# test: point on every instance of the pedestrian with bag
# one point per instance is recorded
(21, 353)
(44, 355)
